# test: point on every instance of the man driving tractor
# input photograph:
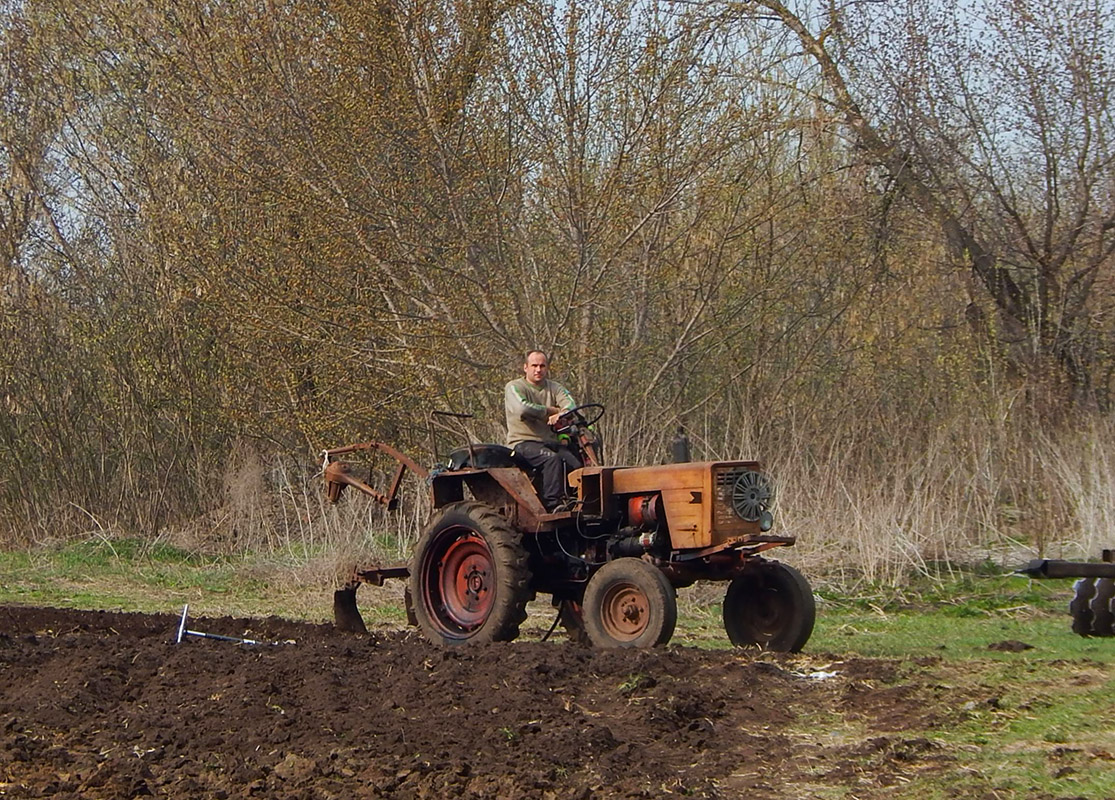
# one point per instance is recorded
(533, 404)
(611, 559)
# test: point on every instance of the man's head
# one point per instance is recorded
(536, 367)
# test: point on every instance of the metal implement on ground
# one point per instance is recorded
(183, 632)
(611, 558)
(1092, 603)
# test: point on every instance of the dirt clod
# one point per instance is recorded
(1010, 646)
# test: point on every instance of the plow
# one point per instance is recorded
(1091, 607)
(611, 558)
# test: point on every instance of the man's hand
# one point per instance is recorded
(554, 415)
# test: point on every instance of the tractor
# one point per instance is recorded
(611, 559)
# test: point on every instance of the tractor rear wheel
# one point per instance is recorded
(770, 607)
(469, 579)
(629, 603)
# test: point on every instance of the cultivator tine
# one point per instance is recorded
(346, 616)
(1080, 607)
(1091, 607)
(1102, 616)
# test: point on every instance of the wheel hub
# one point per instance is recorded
(462, 587)
(626, 611)
(475, 583)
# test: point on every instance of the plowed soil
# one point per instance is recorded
(99, 704)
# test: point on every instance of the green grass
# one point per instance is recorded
(127, 575)
(1033, 723)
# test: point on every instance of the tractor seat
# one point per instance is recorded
(483, 456)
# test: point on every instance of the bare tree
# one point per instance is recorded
(995, 119)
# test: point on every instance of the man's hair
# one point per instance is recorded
(529, 353)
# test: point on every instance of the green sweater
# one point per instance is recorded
(526, 406)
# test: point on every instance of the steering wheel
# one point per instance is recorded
(577, 416)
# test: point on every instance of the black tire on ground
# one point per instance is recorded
(469, 579)
(770, 607)
(1080, 607)
(629, 603)
(1103, 621)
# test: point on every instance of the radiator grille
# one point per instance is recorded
(741, 494)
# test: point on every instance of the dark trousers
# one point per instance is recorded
(555, 462)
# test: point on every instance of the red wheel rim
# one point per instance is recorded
(625, 611)
(460, 580)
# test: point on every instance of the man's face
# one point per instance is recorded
(536, 368)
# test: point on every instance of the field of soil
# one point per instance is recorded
(99, 704)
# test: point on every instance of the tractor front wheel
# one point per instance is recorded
(629, 603)
(770, 607)
(469, 579)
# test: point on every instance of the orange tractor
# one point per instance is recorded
(611, 559)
